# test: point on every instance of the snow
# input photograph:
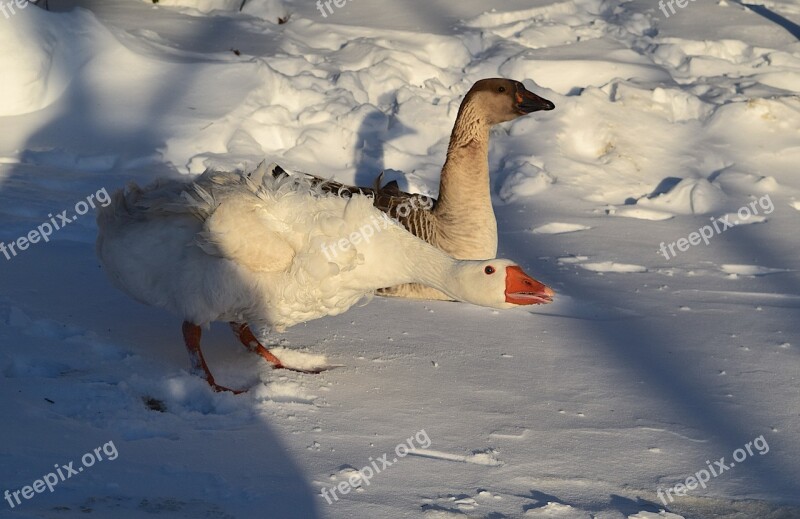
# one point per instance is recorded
(612, 266)
(643, 368)
(560, 228)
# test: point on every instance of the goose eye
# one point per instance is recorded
(501, 89)
(489, 270)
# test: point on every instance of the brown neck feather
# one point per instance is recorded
(464, 184)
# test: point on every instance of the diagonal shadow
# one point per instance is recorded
(762, 10)
(68, 267)
(644, 347)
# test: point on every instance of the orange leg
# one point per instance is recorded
(191, 336)
(246, 336)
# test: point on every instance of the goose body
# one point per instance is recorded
(273, 254)
(461, 221)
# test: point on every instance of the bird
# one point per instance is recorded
(461, 221)
(275, 253)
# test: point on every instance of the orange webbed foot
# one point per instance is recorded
(246, 336)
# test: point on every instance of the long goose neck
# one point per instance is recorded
(464, 184)
(432, 267)
(395, 256)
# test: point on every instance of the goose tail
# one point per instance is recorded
(121, 208)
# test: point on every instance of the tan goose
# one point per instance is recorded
(461, 221)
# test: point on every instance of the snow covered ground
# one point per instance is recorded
(653, 364)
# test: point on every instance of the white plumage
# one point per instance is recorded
(273, 253)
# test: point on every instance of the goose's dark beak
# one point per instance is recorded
(528, 102)
(521, 289)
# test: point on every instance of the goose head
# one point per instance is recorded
(499, 283)
(500, 100)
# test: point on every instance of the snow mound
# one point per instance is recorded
(528, 180)
(745, 183)
(42, 52)
(688, 196)
(270, 10)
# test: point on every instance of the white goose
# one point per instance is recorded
(274, 254)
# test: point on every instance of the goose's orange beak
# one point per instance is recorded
(521, 289)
